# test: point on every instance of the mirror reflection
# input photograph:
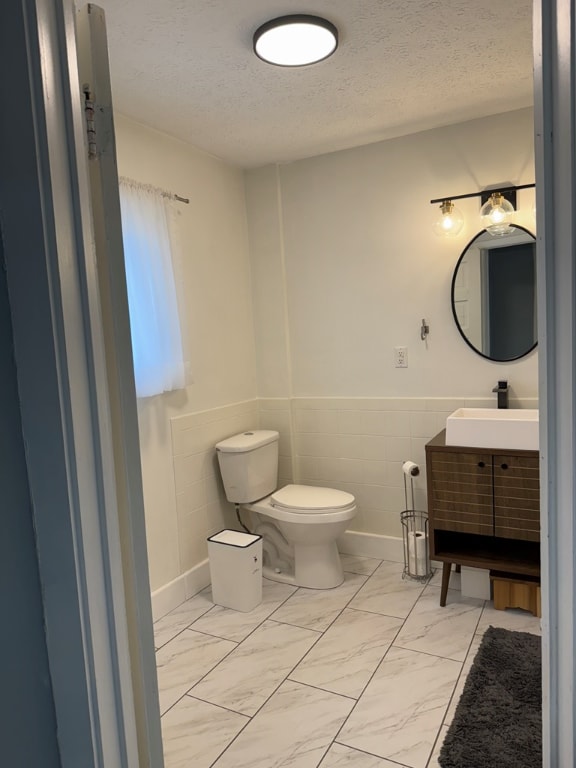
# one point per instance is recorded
(494, 294)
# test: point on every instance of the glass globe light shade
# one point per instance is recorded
(450, 221)
(496, 214)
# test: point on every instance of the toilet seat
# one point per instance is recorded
(311, 499)
(278, 506)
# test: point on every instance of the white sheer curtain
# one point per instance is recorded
(154, 321)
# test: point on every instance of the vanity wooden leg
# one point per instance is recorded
(446, 568)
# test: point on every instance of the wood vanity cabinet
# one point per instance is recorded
(483, 508)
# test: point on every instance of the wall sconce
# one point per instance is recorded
(498, 206)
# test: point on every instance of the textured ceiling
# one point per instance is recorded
(186, 67)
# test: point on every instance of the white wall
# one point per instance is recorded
(349, 236)
(344, 267)
(269, 296)
(216, 312)
(358, 444)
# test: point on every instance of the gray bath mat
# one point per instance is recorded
(498, 719)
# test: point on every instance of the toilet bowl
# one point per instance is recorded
(299, 524)
(310, 519)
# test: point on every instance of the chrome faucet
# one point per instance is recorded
(502, 393)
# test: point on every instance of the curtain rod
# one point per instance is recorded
(152, 188)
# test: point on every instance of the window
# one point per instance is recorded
(152, 302)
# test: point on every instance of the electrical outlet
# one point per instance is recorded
(401, 357)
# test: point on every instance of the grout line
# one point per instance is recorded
(438, 736)
(432, 655)
(203, 676)
(238, 644)
(464, 662)
(384, 657)
(296, 626)
(377, 613)
(317, 687)
(367, 578)
(208, 609)
(251, 717)
(377, 668)
(219, 706)
(374, 613)
(233, 740)
(181, 631)
(371, 754)
(171, 706)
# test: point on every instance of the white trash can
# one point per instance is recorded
(236, 569)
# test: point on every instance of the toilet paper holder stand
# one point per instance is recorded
(414, 536)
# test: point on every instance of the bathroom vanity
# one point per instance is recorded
(483, 509)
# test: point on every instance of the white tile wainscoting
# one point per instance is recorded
(359, 445)
(201, 506)
(366, 675)
(355, 444)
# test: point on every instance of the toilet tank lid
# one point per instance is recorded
(247, 441)
(311, 497)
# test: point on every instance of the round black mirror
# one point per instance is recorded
(494, 294)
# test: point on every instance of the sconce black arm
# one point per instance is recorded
(486, 192)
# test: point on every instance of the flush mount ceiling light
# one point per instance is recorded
(295, 41)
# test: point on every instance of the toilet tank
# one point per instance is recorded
(249, 465)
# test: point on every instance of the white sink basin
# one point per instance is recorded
(493, 428)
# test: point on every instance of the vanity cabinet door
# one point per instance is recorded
(517, 497)
(461, 489)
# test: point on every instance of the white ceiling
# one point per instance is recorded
(186, 67)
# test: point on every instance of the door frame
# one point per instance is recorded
(45, 224)
(555, 136)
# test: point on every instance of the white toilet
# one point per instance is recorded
(299, 524)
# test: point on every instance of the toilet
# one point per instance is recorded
(299, 524)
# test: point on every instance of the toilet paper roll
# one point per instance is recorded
(417, 553)
(410, 468)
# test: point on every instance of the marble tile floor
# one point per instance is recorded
(366, 675)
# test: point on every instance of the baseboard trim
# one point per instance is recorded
(173, 594)
(372, 545)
